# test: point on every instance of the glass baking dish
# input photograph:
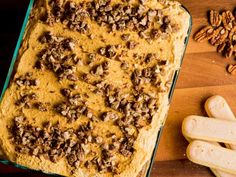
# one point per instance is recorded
(146, 172)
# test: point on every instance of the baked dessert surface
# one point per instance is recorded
(90, 87)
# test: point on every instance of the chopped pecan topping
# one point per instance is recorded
(131, 44)
(70, 14)
(101, 69)
(26, 100)
(53, 56)
(74, 86)
(124, 65)
(204, 34)
(66, 92)
(71, 112)
(92, 36)
(98, 139)
(150, 57)
(120, 17)
(108, 51)
(50, 142)
(27, 80)
(74, 107)
(215, 18)
(147, 75)
(125, 37)
(68, 44)
(155, 33)
(91, 58)
(114, 16)
(141, 122)
(109, 116)
(126, 148)
(102, 51)
(41, 107)
(72, 77)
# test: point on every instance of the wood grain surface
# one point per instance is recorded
(203, 74)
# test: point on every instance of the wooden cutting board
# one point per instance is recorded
(203, 74)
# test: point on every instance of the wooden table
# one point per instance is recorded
(203, 74)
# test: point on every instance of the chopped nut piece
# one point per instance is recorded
(124, 65)
(68, 44)
(125, 152)
(125, 37)
(150, 57)
(26, 101)
(36, 141)
(40, 106)
(66, 92)
(141, 122)
(92, 58)
(74, 86)
(110, 51)
(98, 70)
(98, 140)
(155, 33)
(131, 44)
(102, 51)
(101, 69)
(27, 80)
(92, 36)
(72, 77)
(109, 116)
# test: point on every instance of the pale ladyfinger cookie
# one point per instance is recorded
(210, 155)
(198, 127)
(217, 173)
(217, 107)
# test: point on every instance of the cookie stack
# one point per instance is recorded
(205, 134)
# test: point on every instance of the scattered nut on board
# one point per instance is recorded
(221, 33)
(231, 69)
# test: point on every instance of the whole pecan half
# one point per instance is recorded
(231, 69)
(230, 50)
(215, 18)
(228, 18)
(221, 47)
(232, 34)
(204, 34)
(220, 36)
